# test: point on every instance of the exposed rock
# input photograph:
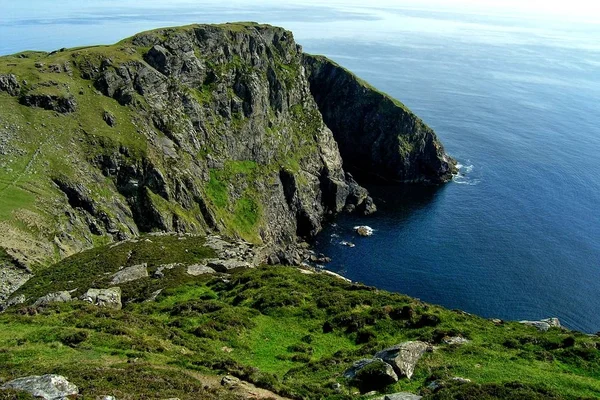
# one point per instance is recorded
(13, 301)
(106, 398)
(199, 269)
(129, 274)
(47, 387)
(61, 104)
(153, 296)
(110, 298)
(336, 275)
(376, 134)
(402, 396)
(437, 385)
(109, 118)
(544, 324)
(371, 374)
(230, 381)
(364, 230)
(403, 357)
(455, 340)
(9, 84)
(58, 297)
(226, 265)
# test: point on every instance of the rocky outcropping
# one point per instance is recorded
(403, 357)
(386, 366)
(57, 297)
(377, 135)
(129, 274)
(47, 387)
(110, 298)
(371, 374)
(544, 324)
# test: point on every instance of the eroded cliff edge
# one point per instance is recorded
(377, 135)
(203, 128)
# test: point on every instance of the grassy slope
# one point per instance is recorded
(266, 326)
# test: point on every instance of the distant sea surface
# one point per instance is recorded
(516, 101)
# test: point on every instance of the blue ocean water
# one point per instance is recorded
(514, 100)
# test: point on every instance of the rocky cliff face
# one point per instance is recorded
(205, 128)
(377, 135)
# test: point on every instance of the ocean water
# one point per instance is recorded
(514, 99)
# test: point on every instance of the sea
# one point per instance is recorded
(514, 98)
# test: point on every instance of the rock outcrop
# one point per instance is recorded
(110, 298)
(47, 387)
(544, 324)
(57, 297)
(403, 357)
(377, 135)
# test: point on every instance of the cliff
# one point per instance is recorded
(377, 135)
(197, 129)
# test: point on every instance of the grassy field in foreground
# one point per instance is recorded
(268, 325)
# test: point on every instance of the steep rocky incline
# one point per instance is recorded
(377, 135)
(198, 129)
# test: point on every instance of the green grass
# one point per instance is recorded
(266, 326)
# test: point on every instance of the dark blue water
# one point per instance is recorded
(516, 101)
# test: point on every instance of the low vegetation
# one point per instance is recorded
(292, 333)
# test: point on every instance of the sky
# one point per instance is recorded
(584, 10)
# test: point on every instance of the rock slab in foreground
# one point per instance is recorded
(47, 387)
(544, 324)
(110, 298)
(57, 297)
(129, 274)
(402, 396)
(403, 357)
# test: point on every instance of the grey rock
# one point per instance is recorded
(129, 274)
(199, 269)
(58, 297)
(9, 84)
(47, 387)
(109, 118)
(437, 385)
(403, 357)
(106, 398)
(455, 340)
(371, 374)
(110, 298)
(544, 324)
(153, 296)
(402, 396)
(227, 265)
(230, 381)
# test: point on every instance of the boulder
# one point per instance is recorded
(227, 265)
(403, 357)
(373, 374)
(104, 297)
(230, 381)
(437, 385)
(199, 269)
(47, 387)
(129, 274)
(364, 230)
(57, 297)
(402, 396)
(455, 340)
(9, 84)
(544, 324)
